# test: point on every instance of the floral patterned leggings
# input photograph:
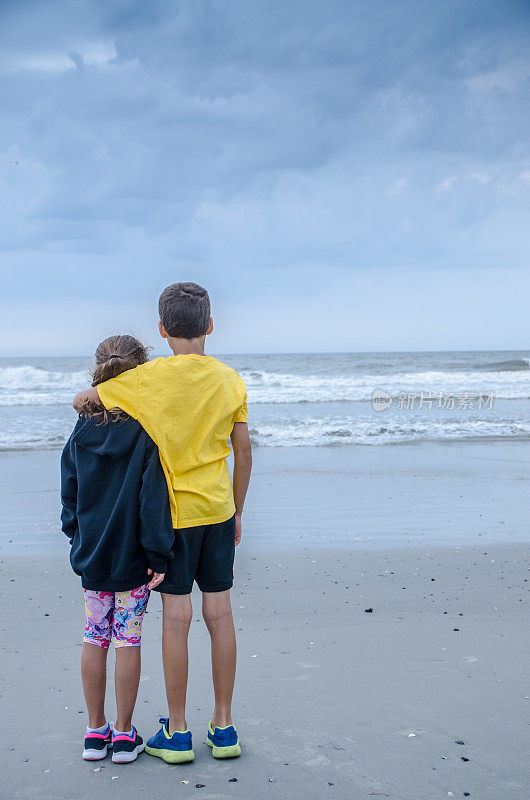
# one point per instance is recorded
(115, 615)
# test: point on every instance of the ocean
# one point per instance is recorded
(310, 400)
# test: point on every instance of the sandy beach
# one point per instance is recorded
(331, 700)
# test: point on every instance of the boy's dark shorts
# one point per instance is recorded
(205, 554)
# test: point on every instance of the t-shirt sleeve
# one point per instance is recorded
(122, 392)
(241, 414)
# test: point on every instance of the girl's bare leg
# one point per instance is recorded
(126, 682)
(94, 676)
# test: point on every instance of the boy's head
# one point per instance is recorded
(184, 310)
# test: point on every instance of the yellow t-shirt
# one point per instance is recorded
(188, 405)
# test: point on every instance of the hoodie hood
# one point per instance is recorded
(113, 439)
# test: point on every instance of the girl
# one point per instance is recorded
(116, 514)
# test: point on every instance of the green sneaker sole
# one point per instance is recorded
(233, 751)
(171, 756)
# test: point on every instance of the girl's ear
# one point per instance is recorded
(162, 330)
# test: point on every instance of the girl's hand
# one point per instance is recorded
(157, 578)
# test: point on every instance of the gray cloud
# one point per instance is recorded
(240, 142)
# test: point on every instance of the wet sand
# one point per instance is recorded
(461, 493)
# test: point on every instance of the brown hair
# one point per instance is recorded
(184, 310)
(114, 355)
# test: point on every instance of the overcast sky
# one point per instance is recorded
(340, 174)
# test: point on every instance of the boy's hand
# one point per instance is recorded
(157, 578)
(239, 529)
(242, 467)
(86, 394)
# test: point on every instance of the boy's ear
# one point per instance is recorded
(162, 330)
(210, 327)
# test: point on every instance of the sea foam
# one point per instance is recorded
(28, 385)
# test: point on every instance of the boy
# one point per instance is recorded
(191, 404)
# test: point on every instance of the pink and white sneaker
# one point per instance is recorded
(126, 746)
(97, 743)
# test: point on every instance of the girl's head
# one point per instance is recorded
(113, 356)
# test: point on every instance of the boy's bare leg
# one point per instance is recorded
(126, 682)
(176, 621)
(94, 676)
(217, 613)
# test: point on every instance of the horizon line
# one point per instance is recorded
(287, 353)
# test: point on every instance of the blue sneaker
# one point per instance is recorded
(223, 741)
(175, 749)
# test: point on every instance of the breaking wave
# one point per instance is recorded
(512, 365)
(334, 431)
(32, 386)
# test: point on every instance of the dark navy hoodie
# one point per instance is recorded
(115, 505)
